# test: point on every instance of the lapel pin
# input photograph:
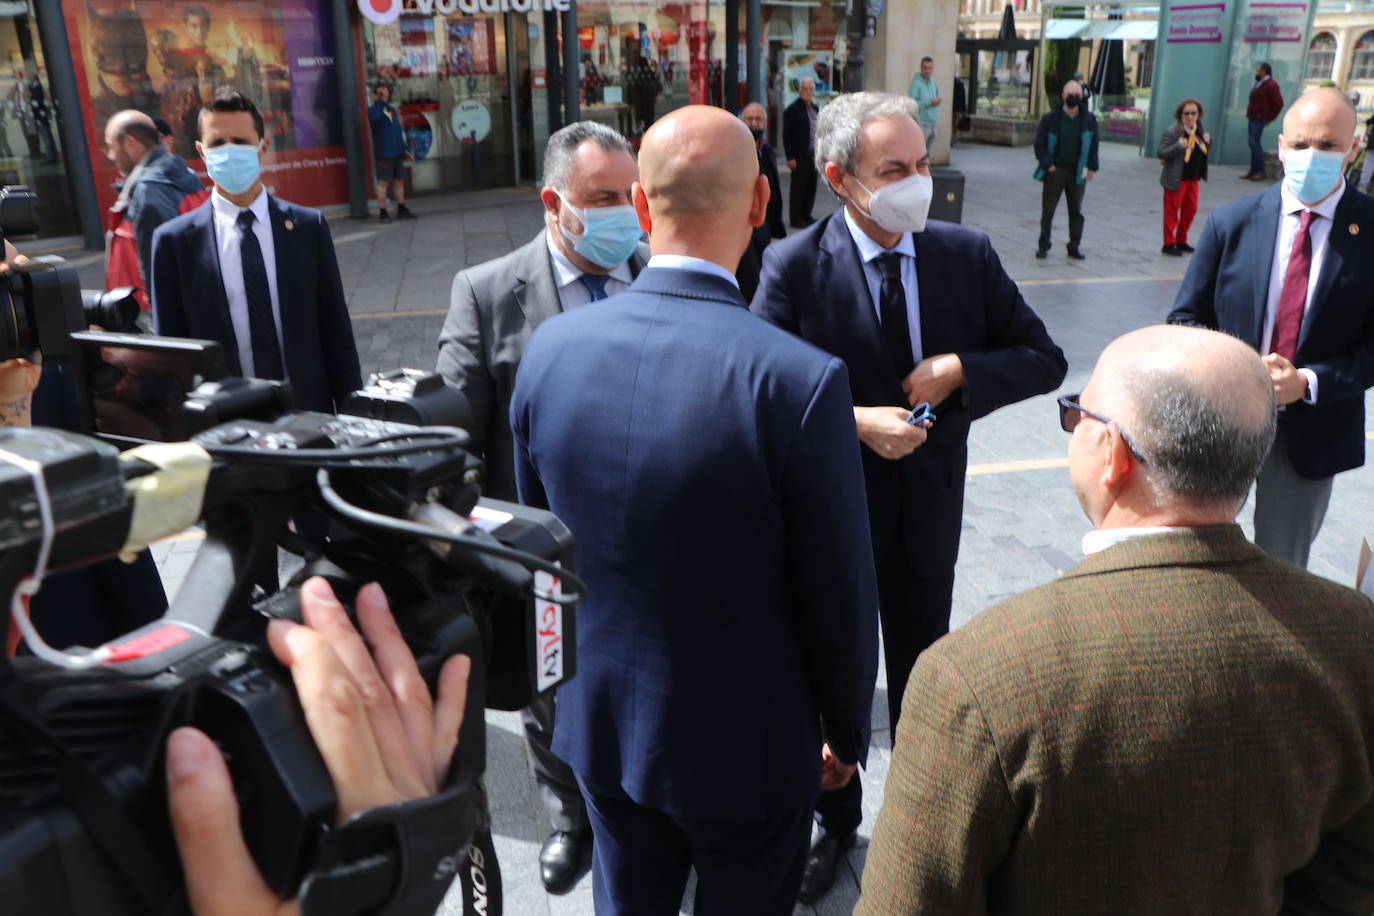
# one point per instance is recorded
(1354, 228)
(291, 225)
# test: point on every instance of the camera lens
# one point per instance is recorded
(116, 310)
(17, 337)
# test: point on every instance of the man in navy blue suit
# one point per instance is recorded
(254, 272)
(705, 462)
(1290, 271)
(919, 312)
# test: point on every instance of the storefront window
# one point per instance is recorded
(30, 149)
(803, 41)
(451, 81)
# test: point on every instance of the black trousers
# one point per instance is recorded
(803, 195)
(558, 789)
(913, 608)
(1061, 181)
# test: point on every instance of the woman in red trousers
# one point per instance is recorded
(1183, 152)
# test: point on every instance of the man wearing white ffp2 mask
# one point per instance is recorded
(920, 310)
(1290, 271)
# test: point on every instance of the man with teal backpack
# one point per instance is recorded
(1066, 148)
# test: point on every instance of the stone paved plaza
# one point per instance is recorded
(1022, 524)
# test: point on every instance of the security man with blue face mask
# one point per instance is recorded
(589, 249)
(1290, 271)
(253, 272)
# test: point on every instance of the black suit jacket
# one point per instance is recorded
(797, 139)
(1227, 288)
(188, 298)
(813, 285)
(773, 226)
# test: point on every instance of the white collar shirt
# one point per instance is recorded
(687, 262)
(568, 278)
(1099, 539)
(226, 215)
(1290, 217)
(870, 250)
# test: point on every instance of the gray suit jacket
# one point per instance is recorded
(493, 309)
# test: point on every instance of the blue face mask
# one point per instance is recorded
(609, 234)
(233, 166)
(1311, 174)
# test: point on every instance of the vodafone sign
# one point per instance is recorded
(380, 11)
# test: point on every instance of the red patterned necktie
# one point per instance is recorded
(1288, 321)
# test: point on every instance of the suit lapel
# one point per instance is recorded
(1264, 229)
(934, 326)
(204, 240)
(1340, 249)
(535, 291)
(846, 296)
(283, 246)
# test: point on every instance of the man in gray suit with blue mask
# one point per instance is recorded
(589, 249)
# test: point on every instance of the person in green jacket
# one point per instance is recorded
(926, 92)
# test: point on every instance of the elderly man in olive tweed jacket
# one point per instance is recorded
(1180, 724)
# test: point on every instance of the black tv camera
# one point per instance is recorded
(83, 818)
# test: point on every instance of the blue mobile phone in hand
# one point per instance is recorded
(920, 413)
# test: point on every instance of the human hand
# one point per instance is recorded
(934, 102)
(1050, 169)
(1289, 384)
(382, 737)
(1088, 175)
(835, 773)
(934, 379)
(18, 377)
(1183, 141)
(886, 432)
(792, 164)
(1207, 138)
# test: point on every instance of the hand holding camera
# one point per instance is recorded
(383, 738)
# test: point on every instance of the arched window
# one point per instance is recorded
(1362, 61)
(1321, 56)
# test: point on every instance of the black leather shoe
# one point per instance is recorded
(1041, 253)
(1077, 255)
(1185, 248)
(564, 858)
(825, 855)
(1172, 251)
(404, 212)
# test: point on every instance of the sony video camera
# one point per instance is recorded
(384, 491)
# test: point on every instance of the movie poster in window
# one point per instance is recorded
(168, 57)
(471, 47)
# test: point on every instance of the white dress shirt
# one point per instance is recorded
(567, 276)
(687, 262)
(1099, 539)
(226, 214)
(1320, 232)
(868, 251)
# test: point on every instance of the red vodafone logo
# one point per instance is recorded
(380, 11)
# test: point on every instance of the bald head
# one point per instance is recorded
(697, 162)
(1323, 108)
(1199, 406)
(129, 134)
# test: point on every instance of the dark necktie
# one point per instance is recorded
(1288, 319)
(595, 284)
(262, 329)
(892, 310)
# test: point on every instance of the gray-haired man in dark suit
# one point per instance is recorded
(590, 248)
